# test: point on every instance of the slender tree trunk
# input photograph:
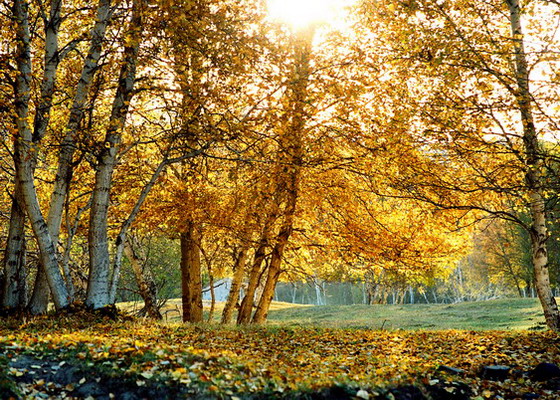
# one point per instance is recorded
(41, 291)
(274, 272)
(145, 281)
(212, 296)
(246, 308)
(534, 175)
(121, 238)
(191, 279)
(25, 155)
(319, 301)
(63, 178)
(237, 280)
(425, 297)
(51, 61)
(289, 163)
(98, 281)
(14, 257)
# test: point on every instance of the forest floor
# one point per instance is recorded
(94, 357)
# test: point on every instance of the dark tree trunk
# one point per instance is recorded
(14, 287)
(191, 279)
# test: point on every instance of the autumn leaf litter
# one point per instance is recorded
(148, 360)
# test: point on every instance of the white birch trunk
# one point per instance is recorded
(320, 301)
(98, 281)
(51, 61)
(64, 172)
(534, 174)
(25, 154)
(39, 300)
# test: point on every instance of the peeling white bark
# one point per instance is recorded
(534, 175)
(98, 282)
(39, 300)
(25, 153)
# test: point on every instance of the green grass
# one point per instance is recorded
(501, 314)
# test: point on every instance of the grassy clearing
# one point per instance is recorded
(501, 314)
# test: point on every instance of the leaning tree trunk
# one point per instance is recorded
(145, 281)
(191, 279)
(121, 238)
(68, 146)
(98, 289)
(25, 156)
(237, 280)
(290, 158)
(534, 175)
(274, 268)
(246, 307)
(274, 272)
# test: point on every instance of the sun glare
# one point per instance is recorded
(301, 13)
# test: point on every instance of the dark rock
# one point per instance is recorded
(66, 375)
(90, 389)
(7, 394)
(553, 384)
(451, 370)
(450, 391)
(517, 373)
(409, 392)
(545, 372)
(337, 392)
(24, 362)
(495, 372)
(129, 396)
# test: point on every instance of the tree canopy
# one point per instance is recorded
(392, 145)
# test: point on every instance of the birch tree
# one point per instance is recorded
(535, 171)
(99, 272)
(25, 149)
(472, 106)
(68, 147)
